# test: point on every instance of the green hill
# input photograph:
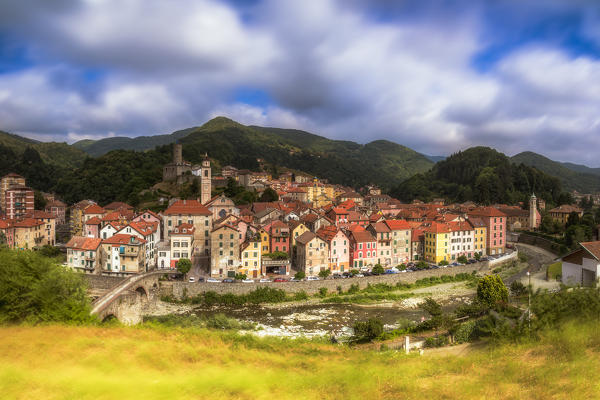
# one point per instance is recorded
(97, 148)
(58, 154)
(380, 162)
(483, 175)
(572, 176)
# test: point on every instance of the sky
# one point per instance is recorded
(436, 76)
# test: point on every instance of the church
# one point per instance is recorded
(180, 171)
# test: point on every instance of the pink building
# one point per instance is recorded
(495, 222)
(19, 201)
(363, 248)
(58, 209)
(339, 248)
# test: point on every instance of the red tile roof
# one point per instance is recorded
(437, 227)
(94, 209)
(39, 214)
(191, 207)
(84, 243)
(487, 212)
(593, 248)
(27, 223)
(122, 238)
(184, 229)
(362, 236)
(397, 224)
(93, 221)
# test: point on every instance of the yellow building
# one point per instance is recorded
(29, 233)
(296, 229)
(318, 193)
(265, 240)
(251, 257)
(437, 240)
(480, 235)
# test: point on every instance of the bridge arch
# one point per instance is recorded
(142, 292)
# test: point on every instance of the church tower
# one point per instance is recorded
(205, 181)
(533, 212)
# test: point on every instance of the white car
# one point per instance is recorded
(248, 280)
(192, 279)
(359, 276)
(265, 280)
(212, 280)
(312, 278)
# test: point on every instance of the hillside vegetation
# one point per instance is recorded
(55, 362)
(572, 176)
(483, 175)
(56, 154)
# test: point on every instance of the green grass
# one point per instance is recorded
(61, 362)
(554, 271)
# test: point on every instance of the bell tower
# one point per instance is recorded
(533, 212)
(205, 181)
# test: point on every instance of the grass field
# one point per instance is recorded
(62, 362)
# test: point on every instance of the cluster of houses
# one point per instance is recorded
(313, 226)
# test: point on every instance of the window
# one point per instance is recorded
(220, 236)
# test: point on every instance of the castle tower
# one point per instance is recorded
(177, 154)
(533, 212)
(205, 181)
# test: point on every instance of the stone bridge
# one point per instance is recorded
(129, 298)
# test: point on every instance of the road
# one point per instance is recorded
(538, 260)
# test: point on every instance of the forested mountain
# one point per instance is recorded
(58, 154)
(96, 148)
(572, 176)
(380, 162)
(483, 175)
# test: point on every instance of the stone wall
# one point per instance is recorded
(101, 282)
(545, 244)
(312, 287)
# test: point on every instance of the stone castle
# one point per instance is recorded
(180, 171)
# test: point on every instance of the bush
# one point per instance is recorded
(184, 265)
(240, 277)
(523, 257)
(324, 273)
(300, 275)
(377, 269)
(465, 332)
(422, 265)
(36, 289)
(339, 289)
(401, 267)
(301, 295)
(518, 289)
(369, 330)
(438, 341)
(491, 290)
(354, 272)
(443, 262)
(462, 259)
(323, 292)
(354, 288)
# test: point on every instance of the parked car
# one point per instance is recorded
(471, 261)
(455, 264)
(359, 275)
(247, 280)
(212, 280)
(312, 278)
(192, 279)
(336, 276)
(280, 280)
(200, 279)
(346, 275)
(228, 280)
(390, 272)
(264, 280)
(295, 280)
(367, 273)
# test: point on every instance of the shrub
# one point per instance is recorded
(354, 272)
(438, 341)
(323, 291)
(184, 265)
(401, 267)
(443, 262)
(523, 257)
(465, 332)
(422, 265)
(240, 277)
(378, 269)
(301, 295)
(339, 289)
(354, 288)
(369, 330)
(491, 290)
(324, 273)
(497, 270)
(518, 288)
(300, 275)
(462, 259)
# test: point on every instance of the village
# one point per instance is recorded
(315, 229)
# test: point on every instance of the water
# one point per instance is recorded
(311, 319)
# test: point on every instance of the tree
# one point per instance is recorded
(300, 275)
(39, 201)
(37, 289)
(443, 262)
(240, 277)
(518, 288)
(324, 273)
(432, 307)
(477, 256)
(2, 239)
(377, 269)
(573, 219)
(368, 330)
(462, 259)
(184, 265)
(269, 195)
(491, 290)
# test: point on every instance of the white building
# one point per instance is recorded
(581, 267)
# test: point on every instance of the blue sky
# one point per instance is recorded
(437, 76)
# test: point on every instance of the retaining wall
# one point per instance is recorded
(312, 287)
(538, 241)
(103, 282)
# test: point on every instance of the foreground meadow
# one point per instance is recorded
(66, 362)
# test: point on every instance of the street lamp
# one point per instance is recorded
(529, 301)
